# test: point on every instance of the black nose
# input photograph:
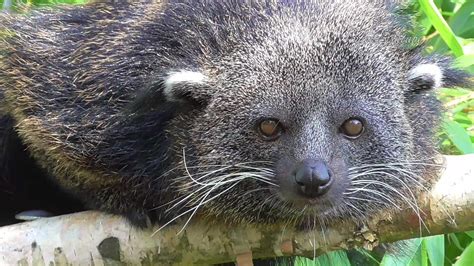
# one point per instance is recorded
(312, 178)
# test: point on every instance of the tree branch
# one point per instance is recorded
(96, 238)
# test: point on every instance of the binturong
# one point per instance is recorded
(300, 112)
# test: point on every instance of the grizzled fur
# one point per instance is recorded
(96, 97)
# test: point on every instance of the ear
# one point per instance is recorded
(425, 77)
(180, 89)
(436, 74)
(186, 85)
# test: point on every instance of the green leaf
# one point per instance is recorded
(459, 136)
(470, 233)
(432, 12)
(453, 92)
(435, 249)
(409, 256)
(461, 117)
(462, 21)
(467, 46)
(459, 2)
(424, 255)
(467, 256)
(333, 258)
(464, 61)
(455, 241)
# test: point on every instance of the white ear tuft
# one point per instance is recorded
(175, 82)
(428, 72)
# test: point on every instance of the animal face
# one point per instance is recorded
(252, 111)
(306, 125)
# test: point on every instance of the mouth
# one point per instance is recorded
(312, 206)
(321, 204)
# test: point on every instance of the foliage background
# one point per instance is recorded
(447, 26)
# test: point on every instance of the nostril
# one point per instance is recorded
(312, 177)
(300, 183)
(321, 175)
(301, 175)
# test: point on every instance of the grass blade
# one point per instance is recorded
(448, 36)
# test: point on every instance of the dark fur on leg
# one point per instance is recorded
(23, 185)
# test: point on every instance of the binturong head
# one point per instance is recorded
(308, 116)
(265, 111)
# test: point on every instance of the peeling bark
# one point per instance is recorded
(94, 238)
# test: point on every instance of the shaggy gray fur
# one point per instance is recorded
(94, 99)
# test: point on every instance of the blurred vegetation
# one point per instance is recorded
(447, 26)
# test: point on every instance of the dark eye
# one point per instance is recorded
(352, 128)
(270, 128)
